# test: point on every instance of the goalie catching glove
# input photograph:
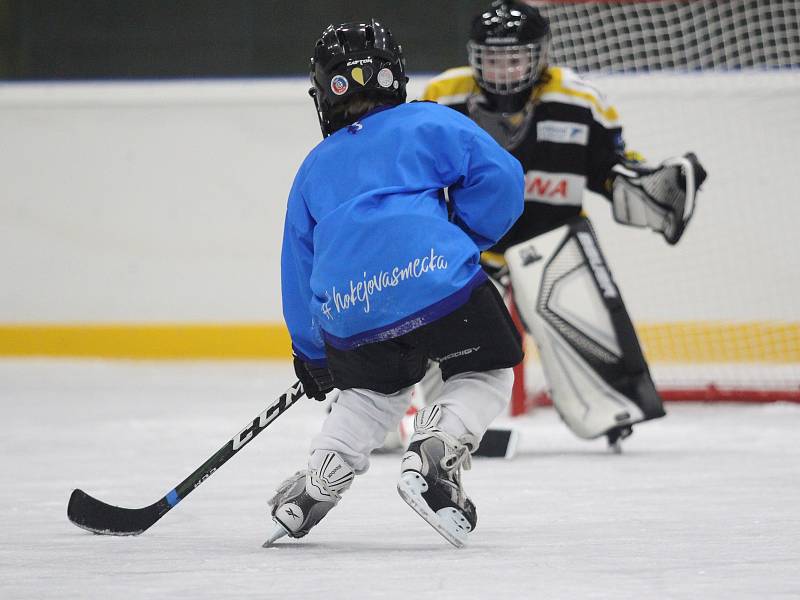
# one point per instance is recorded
(661, 198)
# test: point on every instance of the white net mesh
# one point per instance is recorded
(717, 314)
(688, 35)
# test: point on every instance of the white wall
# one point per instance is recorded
(739, 259)
(131, 202)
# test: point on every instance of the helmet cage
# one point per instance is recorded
(504, 70)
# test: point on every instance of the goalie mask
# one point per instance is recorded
(508, 53)
(352, 61)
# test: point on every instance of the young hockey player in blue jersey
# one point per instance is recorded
(380, 274)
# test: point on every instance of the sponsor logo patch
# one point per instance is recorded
(339, 85)
(546, 188)
(562, 132)
(554, 188)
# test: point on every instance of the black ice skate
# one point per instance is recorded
(616, 435)
(430, 478)
(305, 498)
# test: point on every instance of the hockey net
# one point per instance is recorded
(648, 35)
(717, 315)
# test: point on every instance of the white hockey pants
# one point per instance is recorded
(360, 419)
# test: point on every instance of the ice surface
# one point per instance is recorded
(702, 504)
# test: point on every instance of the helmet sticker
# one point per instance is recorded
(339, 85)
(361, 75)
(385, 78)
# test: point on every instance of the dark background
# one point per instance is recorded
(84, 39)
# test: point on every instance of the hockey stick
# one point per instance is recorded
(98, 517)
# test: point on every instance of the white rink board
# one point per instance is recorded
(701, 504)
(142, 202)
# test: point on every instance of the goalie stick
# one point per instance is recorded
(96, 516)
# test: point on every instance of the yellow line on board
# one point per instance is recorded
(147, 341)
(723, 342)
(714, 342)
(697, 342)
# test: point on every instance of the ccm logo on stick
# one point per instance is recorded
(266, 417)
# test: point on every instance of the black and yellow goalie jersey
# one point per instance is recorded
(567, 139)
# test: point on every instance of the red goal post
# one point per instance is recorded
(718, 315)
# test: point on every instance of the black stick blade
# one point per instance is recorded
(498, 443)
(98, 517)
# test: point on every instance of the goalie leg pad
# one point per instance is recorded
(598, 377)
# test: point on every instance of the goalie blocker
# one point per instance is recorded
(599, 381)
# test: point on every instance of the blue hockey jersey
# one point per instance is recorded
(373, 247)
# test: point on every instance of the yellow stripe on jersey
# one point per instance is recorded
(493, 258)
(451, 87)
(563, 85)
(635, 156)
(455, 85)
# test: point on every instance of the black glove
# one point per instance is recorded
(317, 381)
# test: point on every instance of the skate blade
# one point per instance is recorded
(276, 535)
(445, 527)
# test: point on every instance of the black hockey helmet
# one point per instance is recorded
(508, 52)
(355, 60)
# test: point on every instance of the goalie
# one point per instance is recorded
(568, 140)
